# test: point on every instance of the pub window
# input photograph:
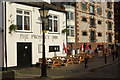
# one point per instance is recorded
(84, 7)
(55, 26)
(23, 20)
(50, 24)
(91, 9)
(92, 22)
(109, 25)
(99, 34)
(109, 37)
(84, 19)
(109, 14)
(92, 36)
(53, 23)
(40, 48)
(54, 48)
(84, 33)
(99, 22)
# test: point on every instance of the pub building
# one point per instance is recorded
(23, 47)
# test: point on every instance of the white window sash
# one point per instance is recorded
(23, 15)
(52, 18)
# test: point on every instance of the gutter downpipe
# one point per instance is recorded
(5, 37)
(66, 32)
(2, 36)
(104, 34)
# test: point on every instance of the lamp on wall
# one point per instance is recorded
(43, 12)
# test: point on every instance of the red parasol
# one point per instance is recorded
(64, 48)
(82, 47)
(68, 46)
(87, 46)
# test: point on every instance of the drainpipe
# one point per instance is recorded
(2, 36)
(5, 38)
(104, 33)
(66, 33)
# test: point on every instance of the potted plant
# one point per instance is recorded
(8, 75)
(64, 30)
(12, 28)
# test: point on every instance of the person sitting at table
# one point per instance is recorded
(89, 51)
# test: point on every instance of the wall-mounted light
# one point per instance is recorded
(43, 12)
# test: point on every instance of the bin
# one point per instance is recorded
(100, 53)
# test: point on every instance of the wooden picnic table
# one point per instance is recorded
(59, 60)
(55, 61)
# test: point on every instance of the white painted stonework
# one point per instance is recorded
(68, 8)
(34, 35)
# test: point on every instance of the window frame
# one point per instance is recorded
(40, 48)
(85, 5)
(110, 5)
(100, 11)
(92, 26)
(70, 28)
(69, 14)
(54, 48)
(84, 34)
(91, 36)
(53, 25)
(100, 34)
(84, 20)
(109, 37)
(109, 15)
(109, 25)
(100, 22)
(93, 10)
(23, 22)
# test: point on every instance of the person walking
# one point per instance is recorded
(86, 60)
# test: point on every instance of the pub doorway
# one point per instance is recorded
(24, 54)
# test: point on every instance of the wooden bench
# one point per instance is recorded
(55, 62)
(40, 62)
(82, 58)
(69, 59)
(78, 58)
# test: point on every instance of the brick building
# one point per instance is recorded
(94, 24)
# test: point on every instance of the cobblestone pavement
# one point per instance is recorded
(33, 73)
(110, 71)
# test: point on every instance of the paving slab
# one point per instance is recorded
(56, 72)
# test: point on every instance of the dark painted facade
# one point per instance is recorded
(117, 20)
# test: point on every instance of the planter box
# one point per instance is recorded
(10, 75)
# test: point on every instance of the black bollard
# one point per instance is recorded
(105, 59)
(116, 54)
(113, 55)
(86, 62)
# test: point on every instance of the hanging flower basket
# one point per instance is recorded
(12, 28)
(64, 31)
